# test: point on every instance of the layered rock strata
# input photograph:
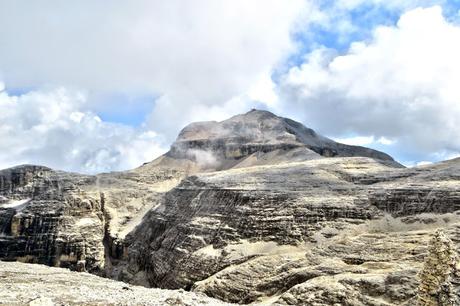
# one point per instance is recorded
(256, 208)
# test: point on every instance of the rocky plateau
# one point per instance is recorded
(254, 209)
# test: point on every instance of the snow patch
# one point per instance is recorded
(209, 250)
(85, 222)
(246, 249)
(14, 204)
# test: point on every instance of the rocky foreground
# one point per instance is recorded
(39, 285)
(254, 209)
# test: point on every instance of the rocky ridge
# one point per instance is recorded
(257, 138)
(256, 208)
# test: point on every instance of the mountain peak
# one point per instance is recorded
(260, 111)
(259, 132)
(255, 126)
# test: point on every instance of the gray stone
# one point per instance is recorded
(256, 208)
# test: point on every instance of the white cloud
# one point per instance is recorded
(204, 59)
(401, 85)
(264, 91)
(446, 155)
(346, 18)
(51, 128)
(424, 163)
(386, 141)
(365, 140)
(202, 52)
(207, 60)
(357, 140)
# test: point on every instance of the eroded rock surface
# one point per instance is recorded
(256, 208)
(257, 138)
(350, 231)
(47, 217)
(72, 220)
(38, 285)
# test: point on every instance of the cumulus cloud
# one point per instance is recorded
(51, 128)
(207, 60)
(402, 85)
(201, 60)
(202, 53)
(424, 163)
(365, 140)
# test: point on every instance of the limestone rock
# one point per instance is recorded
(48, 218)
(38, 285)
(256, 138)
(256, 208)
(245, 235)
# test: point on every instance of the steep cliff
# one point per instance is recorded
(350, 231)
(47, 217)
(71, 220)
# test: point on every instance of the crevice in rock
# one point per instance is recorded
(353, 261)
(6, 218)
(114, 248)
(106, 238)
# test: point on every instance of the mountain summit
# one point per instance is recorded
(255, 138)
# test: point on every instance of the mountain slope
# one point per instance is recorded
(255, 138)
(351, 228)
(253, 208)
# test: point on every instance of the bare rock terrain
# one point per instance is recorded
(38, 285)
(253, 209)
(351, 231)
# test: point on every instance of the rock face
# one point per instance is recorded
(71, 220)
(350, 231)
(256, 208)
(47, 217)
(255, 138)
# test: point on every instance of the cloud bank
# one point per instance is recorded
(197, 60)
(387, 78)
(402, 84)
(50, 128)
(193, 55)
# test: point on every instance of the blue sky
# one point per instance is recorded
(125, 108)
(365, 19)
(115, 83)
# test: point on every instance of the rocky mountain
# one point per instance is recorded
(256, 208)
(255, 138)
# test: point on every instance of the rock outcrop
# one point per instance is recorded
(243, 235)
(256, 208)
(47, 217)
(70, 220)
(257, 138)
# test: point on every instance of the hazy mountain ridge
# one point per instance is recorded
(258, 132)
